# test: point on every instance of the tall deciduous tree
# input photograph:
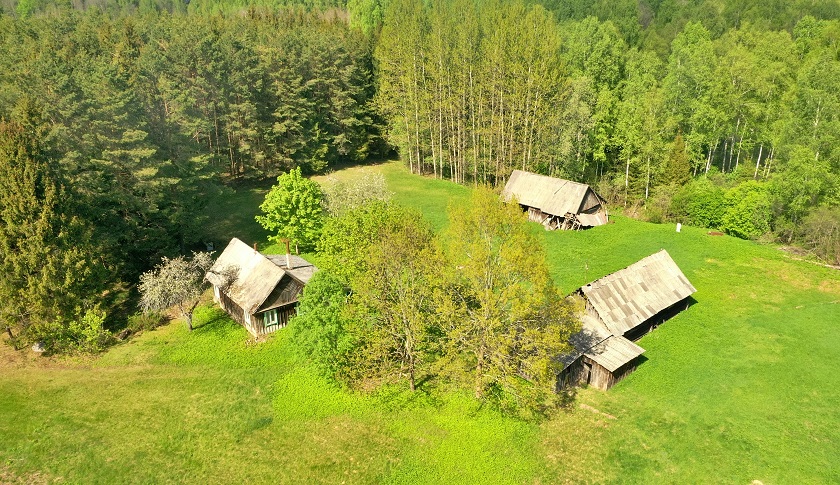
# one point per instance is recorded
(346, 240)
(292, 210)
(395, 297)
(505, 320)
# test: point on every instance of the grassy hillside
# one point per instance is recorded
(740, 387)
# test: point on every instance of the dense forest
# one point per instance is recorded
(474, 90)
(127, 123)
(120, 117)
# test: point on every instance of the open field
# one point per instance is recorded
(742, 386)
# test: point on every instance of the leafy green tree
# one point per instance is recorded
(394, 298)
(748, 210)
(689, 90)
(366, 15)
(322, 330)
(175, 282)
(505, 321)
(346, 240)
(700, 203)
(292, 209)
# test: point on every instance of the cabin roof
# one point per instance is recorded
(596, 342)
(551, 195)
(301, 268)
(630, 296)
(255, 276)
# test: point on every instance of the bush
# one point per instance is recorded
(820, 233)
(84, 334)
(88, 332)
(659, 206)
(145, 321)
(341, 197)
(747, 211)
(700, 203)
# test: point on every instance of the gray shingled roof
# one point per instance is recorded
(256, 276)
(552, 195)
(628, 297)
(596, 342)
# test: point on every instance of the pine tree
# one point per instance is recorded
(46, 273)
(677, 169)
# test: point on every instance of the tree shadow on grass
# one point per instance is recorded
(212, 319)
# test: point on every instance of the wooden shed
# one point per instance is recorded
(555, 203)
(259, 291)
(622, 307)
(600, 359)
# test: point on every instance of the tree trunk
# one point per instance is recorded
(758, 161)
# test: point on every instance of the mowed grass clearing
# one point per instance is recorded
(741, 386)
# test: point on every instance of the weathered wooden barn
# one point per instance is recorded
(555, 203)
(622, 307)
(259, 291)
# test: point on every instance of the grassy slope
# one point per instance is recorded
(741, 386)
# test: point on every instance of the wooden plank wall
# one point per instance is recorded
(598, 376)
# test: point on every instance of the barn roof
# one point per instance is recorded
(628, 297)
(255, 275)
(599, 344)
(548, 194)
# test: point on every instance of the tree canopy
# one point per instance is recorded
(293, 210)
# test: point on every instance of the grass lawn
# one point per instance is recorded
(742, 386)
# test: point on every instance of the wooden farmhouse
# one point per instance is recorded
(259, 291)
(555, 203)
(620, 308)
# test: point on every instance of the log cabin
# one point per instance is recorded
(555, 203)
(619, 309)
(259, 291)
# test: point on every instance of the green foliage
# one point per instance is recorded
(320, 330)
(700, 203)
(142, 321)
(366, 15)
(504, 318)
(292, 210)
(820, 232)
(803, 184)
(747, 211)
(90, 332)
(346, 240)
(677, 170)
(660, 206)
(394, 299)
(46, 267)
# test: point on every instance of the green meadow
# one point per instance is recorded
(741, 386)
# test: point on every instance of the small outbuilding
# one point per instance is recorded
(621, 308)
(555, 203)
(259, 291)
